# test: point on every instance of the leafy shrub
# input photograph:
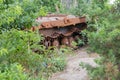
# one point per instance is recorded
(103, 35)
(104, 39)
(16, 72)
(13, 72)
(18, 47)
(105, 70)
(106, 43)
(21, 14)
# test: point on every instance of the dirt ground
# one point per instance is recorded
(73, 71)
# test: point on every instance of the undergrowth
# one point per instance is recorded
(17, 57)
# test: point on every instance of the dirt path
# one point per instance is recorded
(73, 71)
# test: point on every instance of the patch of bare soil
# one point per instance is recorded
(73, 71)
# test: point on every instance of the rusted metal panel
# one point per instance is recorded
(58, 21)
(60, 29)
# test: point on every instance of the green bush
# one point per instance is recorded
(21, 14)
(16, 72)
(105, 40)
(13, 72)
(18, 47)
(103, 36)
(21, 49)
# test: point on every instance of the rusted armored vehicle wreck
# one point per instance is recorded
(60, 29)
